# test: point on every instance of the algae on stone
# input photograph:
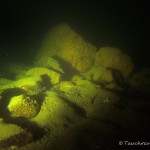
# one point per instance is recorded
(5, 84)
(23, 106)
(111, 57)
(62, 41)
(54, 77)
(99, 74)
(31, 85)
(49, 62)
(55, 114)
(7, 130)
(85, 94)
(28, 80)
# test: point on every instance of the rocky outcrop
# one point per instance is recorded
(63, 42)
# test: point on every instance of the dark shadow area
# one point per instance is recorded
(129, 94)
(77, 109)
(69, 71)
(59, 72)
(91, 136)
(126, 91)
(112, 123)
(89, 139)
(32, 132)
(28, 125)
(39, 98)
(45, 82)
(7, 75)
(118, 77)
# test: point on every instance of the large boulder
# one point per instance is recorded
(114, 58)
(23, 106)
(63, 42)
(51, 63)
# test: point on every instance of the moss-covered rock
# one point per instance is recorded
(86, 95)
(99, 74)
(13, 136)
(54, 77)
(30, 80)
(23, 106)
(31, 85)
(62, 41)
(49, 62)
(114, 58)
(8, 130)
(55, 114)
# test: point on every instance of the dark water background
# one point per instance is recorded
(122, 24)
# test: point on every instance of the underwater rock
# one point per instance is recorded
(90, 98)
(16, 141)
(141, 81)
(29, 84)
(31, 89)
(62, 41)
(7, 130)
(49, 62)
(105, 78)
(56, 114)
(111, 57)
(54, 77)
(23, 106)
(99, 75)
(12, 136)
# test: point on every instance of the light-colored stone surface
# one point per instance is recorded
(23, 106)
(114, 58)
(62, 41)
(54, 77)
